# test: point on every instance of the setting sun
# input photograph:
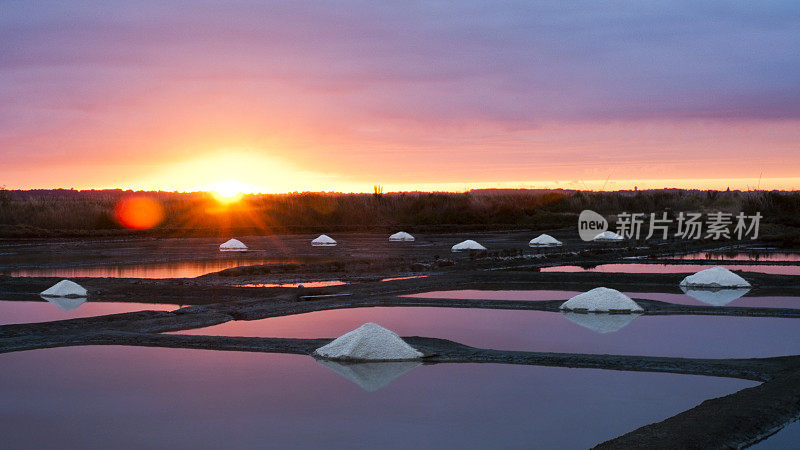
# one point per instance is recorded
(229, 191)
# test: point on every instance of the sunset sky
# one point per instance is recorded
(286, 96)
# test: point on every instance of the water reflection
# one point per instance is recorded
(180, 269)
(176, 398)
(671, 268)
(656, 335)
(372, 376)
(716, 297)
(601, 323)
(61, 308)
(739, 256)
(65, 303)
(308, 284)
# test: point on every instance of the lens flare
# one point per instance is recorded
(139, 212)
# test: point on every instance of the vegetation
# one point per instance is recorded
(75, 213)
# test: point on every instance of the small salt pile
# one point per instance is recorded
(601, 323)
(401, 236)
(323, 241)
(606, 236)
(369, 342)
(544, 240)
(370, 376)
(233, 245)
(715, 277)
(469, 244)
(601, 299)
(65, 288)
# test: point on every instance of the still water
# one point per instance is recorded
(673, 268)
(64, 308)
(680, 336)
(738, 256)
(697, 297)
(179, 269)
(128, 397)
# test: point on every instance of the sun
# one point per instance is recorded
(228, 191)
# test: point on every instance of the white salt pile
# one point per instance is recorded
(601, 300)
(371, 376)
(401, 236)
(601, 322)
(607, 236)
(66, 303)
(469, 244)
(369, 342)
(323, 241)
(715, 297)
(544, 240)
(715, 277)
(233, 245)
(65, 288)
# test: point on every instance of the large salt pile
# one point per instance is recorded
(369, 342)
(65, 288)
(323, 241)
(601, 300)
(233, 245)
(601, 322)
(401, 236)
(608, 236)
(370, 376)
(715, 297)
(66, 303)
(544, 240)
(469, 244)
(715, 277)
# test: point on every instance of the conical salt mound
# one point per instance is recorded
(608, 236)
(715, 297)
(66, 303)
(233, 245)
(601, 322)
(401, 236)
(544, 240)
(715, 277)
(469, 244)
(65, 288)
(601, 300)
(323, 241)
(370, 376)
(369, 342)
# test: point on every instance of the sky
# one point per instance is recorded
(429, 95)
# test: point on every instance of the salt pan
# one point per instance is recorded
(369, 342)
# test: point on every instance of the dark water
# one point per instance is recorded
(684, 336)
(673, 268)
(786, 438)
(127, 397)
(45, 311)
(681, 299)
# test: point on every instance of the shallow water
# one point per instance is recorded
(180, 269)
(673, 268)
(680, 335)
(308, 284)
(787, 437)
(534, 295)
(45, 311)
(739, 256)
(127, 397)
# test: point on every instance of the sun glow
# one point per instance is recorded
(229, 191)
